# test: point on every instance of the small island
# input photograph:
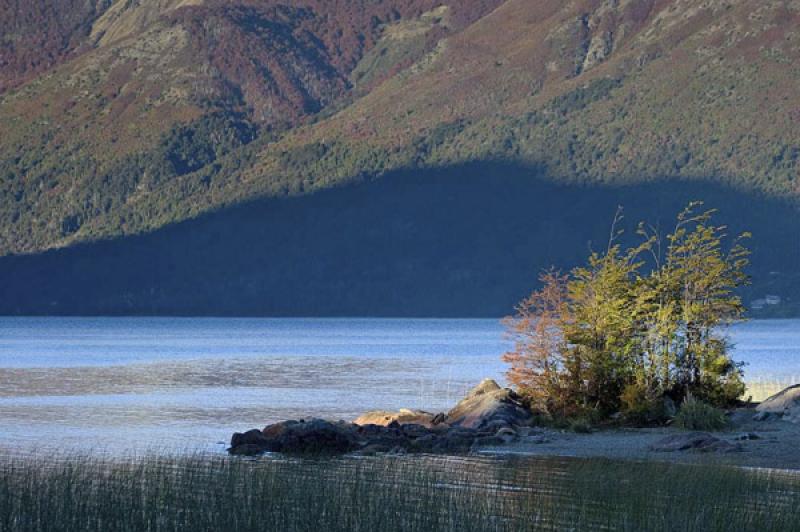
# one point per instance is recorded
(494, 421)
(627, 355)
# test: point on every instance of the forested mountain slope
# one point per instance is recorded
(158, 89)
(119, 118)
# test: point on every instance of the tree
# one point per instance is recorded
(601, 337)
(538, 367)
(608, 336)
(702, 279)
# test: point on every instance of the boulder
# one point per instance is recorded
(747, 436)
(693, 441)
(507, 434)
(494, 425)
(403, 416)
(486, 404)
(251, 437)
(454, 441)
(785, 404)
(413, 430)
(439, 419)
(766, 416)
(373, 449)
(536, 439)
(425, 444)
(316, 436)
(276, 430)
(488, 441)
(367, 431)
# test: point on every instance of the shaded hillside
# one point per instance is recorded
(299, 96)
(79, 143)
(466, 241)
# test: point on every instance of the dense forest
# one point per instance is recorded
(464, 241)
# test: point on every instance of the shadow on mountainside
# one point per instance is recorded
(460, 241)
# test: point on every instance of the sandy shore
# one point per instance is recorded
(777, 445)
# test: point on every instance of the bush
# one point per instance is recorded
(580, 426)
(641, 409)
(694, 414)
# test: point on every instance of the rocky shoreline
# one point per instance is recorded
(491, 419)
(488, 415)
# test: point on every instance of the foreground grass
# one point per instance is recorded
(387, 494)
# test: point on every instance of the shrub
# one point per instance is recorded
(695, 414)
(640, 408)
(580, 425)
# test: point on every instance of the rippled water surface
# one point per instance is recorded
(171, 384)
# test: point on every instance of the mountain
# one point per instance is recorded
(133, 127)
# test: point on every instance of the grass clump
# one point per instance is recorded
(695, 414)
(389, 494)
(580, 425)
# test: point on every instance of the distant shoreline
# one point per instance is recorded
(301, 317)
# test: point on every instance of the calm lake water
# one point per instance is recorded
(173, 384)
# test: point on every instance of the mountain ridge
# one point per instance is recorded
(140, 115)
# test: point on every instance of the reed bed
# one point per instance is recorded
(215, 493)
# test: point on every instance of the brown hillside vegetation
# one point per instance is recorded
(693, 89)
(148, 113)
(37, 36)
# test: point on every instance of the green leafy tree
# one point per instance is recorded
(615, 334)
(702, 279)
(601, 336)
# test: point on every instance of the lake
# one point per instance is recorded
(185, 384)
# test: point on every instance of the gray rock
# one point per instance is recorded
(747, 436)
(489, 403)
(454, 442)
(489, 414)
(425, 444)
(487, 441)
(316, 436)
(693, 441)
(373, 449)
(765, 416)
(403, 416)
(506, 434)
(414, 431)
(493, 425)
(784, 404)
(251, 437)
(536, 439)
(439, 418)
(372, 430)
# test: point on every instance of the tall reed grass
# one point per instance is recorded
(205, 493)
